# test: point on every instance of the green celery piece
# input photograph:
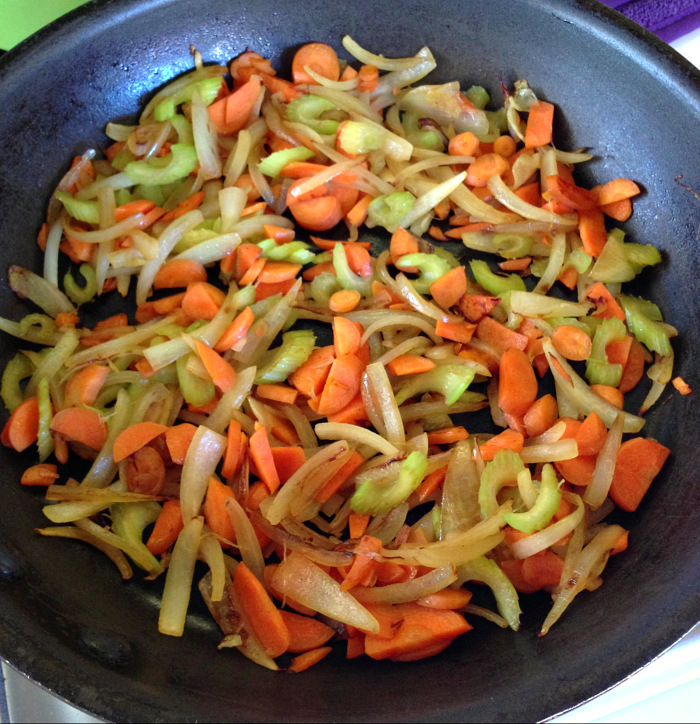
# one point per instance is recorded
(192, 238)
(559, 321)
(546, 505)
(478, 96)
(503, 469)
(430, 267)
(152, 193)
(183, 128)
(42, 326)
(643, 326)
(273, 164)
(512, 246)
(308, 109)
(87, 211)
(580, 260)
(282, 361)
(494, 283)
(16, 370)
(497, 121)
(387, 211)
(129, 520)
(296, 252)
(449, 380)
(208, 90)
(377, 498)
(599, 371)
(641, 255)
(323, 287)
(167, 375)
(345, 275)
(423, 138)
(122, 159)
(360, 137)
(44, 440)
(195, 390)
(81, 295)
(538, 266)
(487, 571)
(323, 257)
(123, 196)
(180, 162)
(267, 245)
(612, 265)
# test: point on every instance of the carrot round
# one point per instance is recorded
(311, 376)
(135, 437)
(591, 435)
(507, 440)
(449, 288)
(517, 383)
(504, 146)
(319, 214)
(609, 394)
(167, 528)
(202, 300)
(463, 144)
(179, 273)
(22, 429)
(80, 424)
(633, 369)
(639, 461)
(265, 619)
(346, 336)
(84, 386)
(572, 342)
(145, 472)
(321, 58)
(344, 301)
(231, 113)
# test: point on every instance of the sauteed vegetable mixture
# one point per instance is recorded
(289, 407)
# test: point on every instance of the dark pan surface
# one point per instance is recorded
(68, 621)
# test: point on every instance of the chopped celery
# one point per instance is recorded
(296, 252)
(16, 370)
(599, 371)
(500, 471)
(267, 245)
(430, 267)
(513, 246)
(323, 257)
(346, 277)
(498, 122)
(44, 439)
(81, 295)
(642, 319)
(41, 327)
(152, 193)
(487, 571)
(478, 96)
(546, 505)
(494, 283)
(360, 137)
(195, 390)
(641, 255)
(273, 164)
(87, 211)
(308, 109)
(208, 89)
(620, 261)
(183, 128)
(129, 520)
(122, 160)
(450, 380)
(423, 138)
(323, 287)
(580, 260)
(376, 498)
(538, 267)
(387, 211)
(572, 321)
(282, 361)
(123, 196)
(180, 162)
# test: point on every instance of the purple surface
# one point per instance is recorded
(669, 19)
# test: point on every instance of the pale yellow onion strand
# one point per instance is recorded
(353, 433)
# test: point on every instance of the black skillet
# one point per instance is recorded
(69, 622)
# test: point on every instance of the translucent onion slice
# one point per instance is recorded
(530, 304)
(414, 345)
(550, 451)
(482, 612)
(232, 400)
(459, 507)
(178, 581)
(399, 319)
(502, 193)
(53, 360)
(354, 434)
(341, 85)
(556, 259)
(246, 539)
(478, 209)
(427, 202)
(526, 488)
(202, 457)
(211, 553)
(408, 591)
(211, 250)
(301, 424)
(597, 491)
(238, 158)
(345, 102)
(53, 242)
(468, 402)
(97, 237)
(388, 409)
(45, 294)
(382, 63)
(431, 162)
(383, 94)
(322, 177)
(304, 582)
(552, 434)
(572, 156)
(371, 404)
(102, 495)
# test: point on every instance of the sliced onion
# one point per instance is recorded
(203, 455)
(211, 553)
(345, 102)
(388, 409)
(482, 612)
(478, 209)
(414, 345)
(597, 491)
(121, 228)
(238, 159)
(460, 492)
(552, 434)
(427, 202)
(549, 451)
(387, 526)
(211, 250)
(502, 193)
(53, 242)
(322, 177)
(246, 539)
(425, 585)
(530, 304)
(556, 259)
(468, 402)
(403, 77)
(45, 294)
(399, 319)
(358, 435)
(232, 400)
(382, 63)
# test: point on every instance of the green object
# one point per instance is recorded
(642, 318)
(87, 211)
(345, 275)
(580, 260)
(423, 138)
(180, 162)
(512, 246)
(620, 261)
(129, 520)
(282, 361)
(376, 498)
(308, 110)
(19, 20)
(273, 164)
(323, 287)
(44, 440)
(81, 295)
(16, 370)
(208, 90)
(42, 326)
(478, 96)
(430, 267)
(296, 252)
(449, 380)
(599, 371)
(387, 211)
(500, 471)
(494, 283)
(487, 571)
(183, 128)
(360, 137)
(195, 390)
(546, 505)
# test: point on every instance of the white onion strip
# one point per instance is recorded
(408, 591)
(359, 435)
(388, 409)
(202, 457)
(597, 491)
(502, 193)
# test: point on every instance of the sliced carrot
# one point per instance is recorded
(303, 661)
(261, 455)
(566, 192)
(475, 307)
(447, 598)
(484, 167)
(449, 288)
(231, 113)
(305, 633)
(342, 384)
(288, 460)
(277, 393)
(430, 484)
(184, 206)
(43, 474)
(236, 331)
(215, 513)
(499, 336)
(579, 470)
(633, 369)
(340, 478)
(321, 58)
(167, 528)
(358, 213)
(591, 435)
(572, 342)
(529, 193)
(541, 415)
(447, 435)
(80, 424)
(278, 271)
(681, 385)
(363, 564)
(618, 352)
(639, 461)
(354, 413)
(517, 383)
(618, 210)
(410, 364)
(507, 440)
(538, 131)
(280, 234)
(64, 319)
(202, 300)
(544, 570)
(312, 272)
(178, 439)
(357, 524)
(606, 305)
(311, 376)
(253, 272)
(329, 244)
(84, 386)
(616, 190)
(145, 472)
(568, 277)
(456, 331)
(319, 214)
(265, 620)
(344, 301)
(138, 206)
(591, 226)
(463, 144)
(402, 243)
(609, 394)
(346, 336)
(220, 371)
(179, 273)
(264, 290)
(232, 454)
(135, 437)
(367, 78)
